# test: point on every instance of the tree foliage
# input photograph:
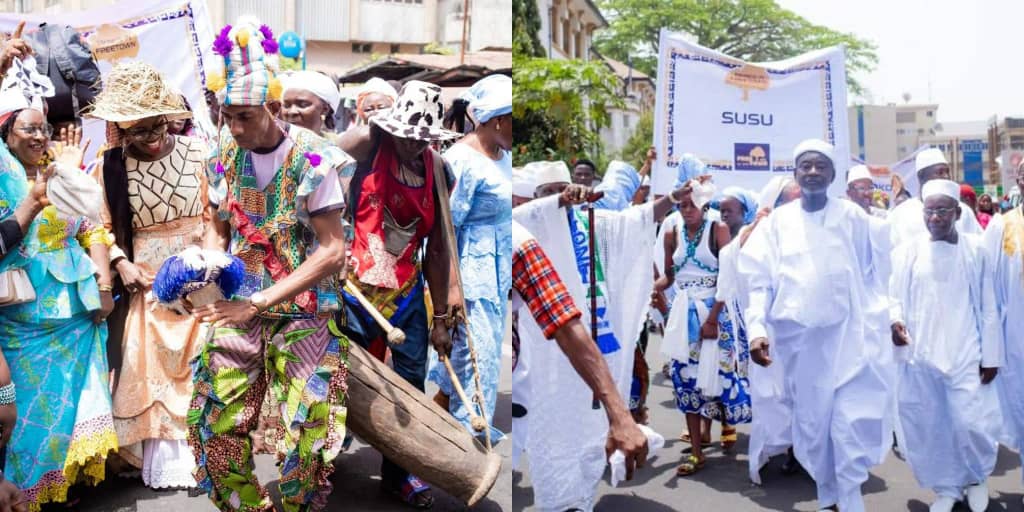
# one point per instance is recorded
(560, 106)
(751, 30)
(525, 26)
(635, 150)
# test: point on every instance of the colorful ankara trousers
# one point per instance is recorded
(305, 369)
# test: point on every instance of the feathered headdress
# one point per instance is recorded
(249, 54)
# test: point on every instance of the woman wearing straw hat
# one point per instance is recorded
(54, 334)
(482, 215)
(394, 209)
(154, 195)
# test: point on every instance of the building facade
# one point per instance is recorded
(885, 134)
(567, 27)
(341, 34)
(638, 95)
(966, 147)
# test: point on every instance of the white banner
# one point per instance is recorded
(744, 120)
(1008, 163)
(171, 35)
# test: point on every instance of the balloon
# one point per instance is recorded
(290, 45)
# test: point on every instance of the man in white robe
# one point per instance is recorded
(945, 325)
(1004, 246)
(860, 188)
(811, 270)
(565, 376)
(907, 220)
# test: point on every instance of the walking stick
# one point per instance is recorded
(478, 421)
(595, 404)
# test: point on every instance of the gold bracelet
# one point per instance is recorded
(106, 288)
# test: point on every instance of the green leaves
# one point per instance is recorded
(559, 107)
(525, 26)
(635, 150)
(752, 30)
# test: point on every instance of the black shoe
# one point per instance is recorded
(791, 466)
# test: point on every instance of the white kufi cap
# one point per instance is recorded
(928, 158)
(942, 188)
(858, 172)
(548, 172)
(523, 182)
(817, 145)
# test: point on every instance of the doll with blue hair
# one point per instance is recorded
(196, 277)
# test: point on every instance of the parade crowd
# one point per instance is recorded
(840, 328)
(122, 353)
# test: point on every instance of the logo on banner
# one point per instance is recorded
(113, 42)
(748, 77)
(752, 157)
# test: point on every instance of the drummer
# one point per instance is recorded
(264, 170)
(394, 208)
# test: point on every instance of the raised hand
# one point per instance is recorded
(14, 48)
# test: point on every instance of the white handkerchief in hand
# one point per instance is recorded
(617, 461)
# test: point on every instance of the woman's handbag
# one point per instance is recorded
(16, 288)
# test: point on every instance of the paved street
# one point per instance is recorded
(723, 484)
(356, 479)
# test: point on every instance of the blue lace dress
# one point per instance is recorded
(481, 205)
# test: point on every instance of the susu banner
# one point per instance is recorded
(173, 36)
(743, 119)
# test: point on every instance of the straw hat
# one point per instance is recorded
(134, 91)
(417, 114)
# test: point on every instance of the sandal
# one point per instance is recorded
(728, 439)
(690, 465)
(704, 439)
(412, 491)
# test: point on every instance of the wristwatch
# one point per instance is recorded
(260, 301)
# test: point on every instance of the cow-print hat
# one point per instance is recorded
(416, 114)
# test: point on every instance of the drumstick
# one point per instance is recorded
(395, 335)
(477, 422)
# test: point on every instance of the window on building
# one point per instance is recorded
(1014, 122)
(900, 131)
(1017, 142)
(903, 150)
(579, 44)
(51, 3)
(930, 113)
(362, 47)
(554, 29)
(906, 117)
(396, 48)
(920, 131)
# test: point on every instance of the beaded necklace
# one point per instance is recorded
(691, 250)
